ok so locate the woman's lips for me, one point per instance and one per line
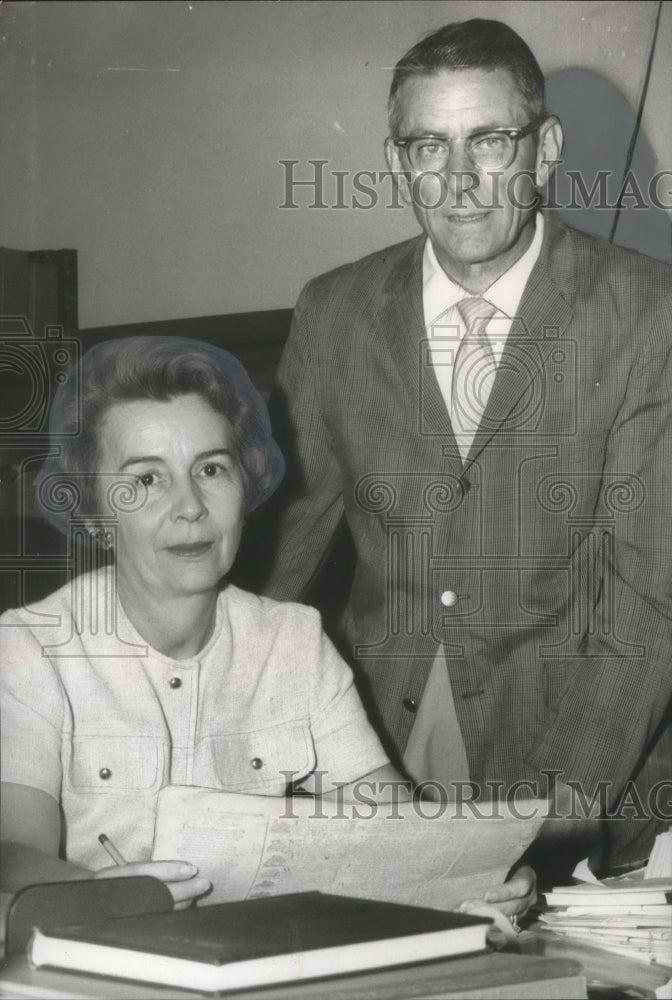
(189, 550)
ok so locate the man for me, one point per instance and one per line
(505, 468)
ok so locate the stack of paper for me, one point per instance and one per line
(630, 915)
(660, 862)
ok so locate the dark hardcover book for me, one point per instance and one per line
(270, 940)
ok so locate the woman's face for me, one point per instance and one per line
(182, 533)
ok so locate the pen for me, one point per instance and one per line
(116, 855)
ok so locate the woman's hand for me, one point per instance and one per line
(182, 878)
(513, 898)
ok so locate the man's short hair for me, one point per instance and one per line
(474, 44)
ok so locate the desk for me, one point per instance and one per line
(435, 979)
(493, 976)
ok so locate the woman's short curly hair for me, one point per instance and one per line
(155, 368)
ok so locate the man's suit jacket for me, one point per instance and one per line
(555, 536)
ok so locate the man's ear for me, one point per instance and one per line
(549, 150)
(400, 176)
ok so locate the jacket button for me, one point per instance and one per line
(105, 773)
(448, 598)
(256, 763)
(175, 682)
(411, 705)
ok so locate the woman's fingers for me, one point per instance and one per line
(166, 871)
(185, 892)
(181, 877)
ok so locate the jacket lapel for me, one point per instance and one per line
(401, 325)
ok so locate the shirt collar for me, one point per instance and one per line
(439, 292)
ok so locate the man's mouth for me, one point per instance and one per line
(465, 220)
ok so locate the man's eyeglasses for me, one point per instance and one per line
(488, 149)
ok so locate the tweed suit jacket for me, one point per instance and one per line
(555, 535)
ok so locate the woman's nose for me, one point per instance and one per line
(187, 502)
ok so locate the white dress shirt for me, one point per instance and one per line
(435, 752)
(440, 293)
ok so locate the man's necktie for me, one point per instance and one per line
(473, 372)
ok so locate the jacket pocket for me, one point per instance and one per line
(115, 764)
(264, 761)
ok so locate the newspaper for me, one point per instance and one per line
(421, 853)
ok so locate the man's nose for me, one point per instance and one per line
(461, 174)
(187, 501)
(462, 186)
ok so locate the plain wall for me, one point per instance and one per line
(148, 135)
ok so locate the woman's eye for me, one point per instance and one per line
(146, 479)
(211, 470)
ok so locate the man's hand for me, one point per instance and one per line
(513, 898)
(517, 895)
(182, 878)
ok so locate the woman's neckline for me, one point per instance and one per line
(135, 634)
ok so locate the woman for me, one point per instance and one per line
(151, 670)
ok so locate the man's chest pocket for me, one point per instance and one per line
(115, 764)
(263, 761)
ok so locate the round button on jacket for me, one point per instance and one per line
(411, 705)
(105, 773)
(448, 598)
(175, 682)
(256, 763)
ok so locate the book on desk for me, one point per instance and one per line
(258, 941)
(250, 930)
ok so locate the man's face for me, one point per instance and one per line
(477, 220)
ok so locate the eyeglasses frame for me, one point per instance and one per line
(515, 134)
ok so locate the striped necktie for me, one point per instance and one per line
(473, 372)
